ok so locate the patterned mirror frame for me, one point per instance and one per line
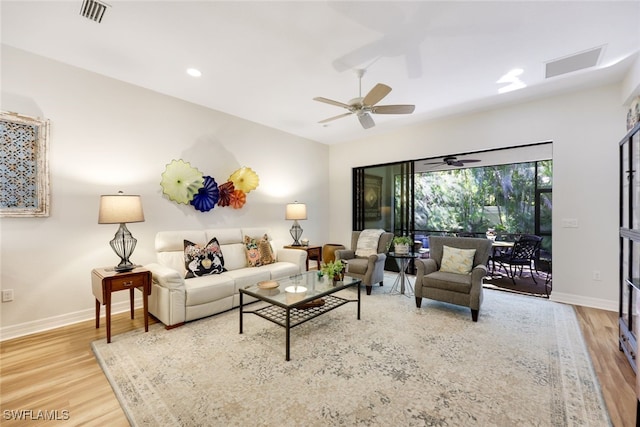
(24, 166)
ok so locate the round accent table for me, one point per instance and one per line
(402, 284)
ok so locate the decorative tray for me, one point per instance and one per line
(268, 284)
(315, 303)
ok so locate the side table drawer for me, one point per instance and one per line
(128, 282)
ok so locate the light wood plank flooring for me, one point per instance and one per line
(56, 370)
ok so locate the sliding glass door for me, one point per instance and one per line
(508, 190)
(383, 197)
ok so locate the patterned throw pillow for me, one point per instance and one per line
(200, 261)
(455, 260)
(259, 251)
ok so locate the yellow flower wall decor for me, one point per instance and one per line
(185, 184)
(244, 179)
(181, 181)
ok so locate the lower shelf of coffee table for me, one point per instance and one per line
(297, 316)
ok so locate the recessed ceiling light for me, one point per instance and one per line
(193, 72)
(512, 81)
(511, 76)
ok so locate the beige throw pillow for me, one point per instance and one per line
(368, 242)
(455, 260)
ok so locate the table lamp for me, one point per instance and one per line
(121, 209)
(296, 211)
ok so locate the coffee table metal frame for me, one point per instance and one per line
(290, 315)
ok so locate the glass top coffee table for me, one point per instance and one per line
(297, 299)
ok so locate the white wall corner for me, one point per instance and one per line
(630, 87)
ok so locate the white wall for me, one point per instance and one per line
(585, 128)
(108, 136)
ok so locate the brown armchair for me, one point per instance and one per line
(369, 269)
(452, 287)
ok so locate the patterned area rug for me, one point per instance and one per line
(523, 363)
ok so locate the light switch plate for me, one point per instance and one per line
(569, 222)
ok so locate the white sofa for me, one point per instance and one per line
(175, 300)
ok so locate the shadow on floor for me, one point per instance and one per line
(523, 284)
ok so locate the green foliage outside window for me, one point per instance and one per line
(475, 199)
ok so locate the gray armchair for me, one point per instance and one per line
(370, 269)
(454, 288)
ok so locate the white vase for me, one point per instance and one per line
(401, 248)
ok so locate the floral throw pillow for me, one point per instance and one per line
(455, 260)
(203, 260)
(259, 251)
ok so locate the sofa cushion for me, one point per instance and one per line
(202, 290)
(357, 265)
(460, 283)
(203, 260)
(456, 260)
(259, 251)
(235, 256)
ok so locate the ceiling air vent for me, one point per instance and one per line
(569, 64)
(93, 10)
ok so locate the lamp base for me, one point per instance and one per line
(296, 233)
(122, 268)
(123, 244)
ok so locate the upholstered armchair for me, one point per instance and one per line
(454, 271)
(365, 260)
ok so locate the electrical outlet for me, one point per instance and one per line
(596, 275)
(7, 295)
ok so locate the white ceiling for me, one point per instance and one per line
(264, 61)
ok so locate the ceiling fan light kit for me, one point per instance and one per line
(363, 106)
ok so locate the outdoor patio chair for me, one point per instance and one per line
(522, 254)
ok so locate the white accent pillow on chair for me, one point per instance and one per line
(368, 242)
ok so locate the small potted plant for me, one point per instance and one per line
(401, 244)
(334, 270)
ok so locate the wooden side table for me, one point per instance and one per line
(104, 281)
(313, 252)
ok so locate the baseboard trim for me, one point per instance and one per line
(602, 304)
(42, 325)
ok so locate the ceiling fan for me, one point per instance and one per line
(363, 106)
(453, 161)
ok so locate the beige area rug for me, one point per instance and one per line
(524, 363)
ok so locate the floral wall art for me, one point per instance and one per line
(185, 184)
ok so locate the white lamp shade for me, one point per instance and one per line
(120, 209)
(296, 211)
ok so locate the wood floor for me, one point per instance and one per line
(56, 371)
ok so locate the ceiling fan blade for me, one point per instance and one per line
(365, 120)
(376, 94)
(332, 102)
(456, 163)
(393, 109)
(335, 117)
